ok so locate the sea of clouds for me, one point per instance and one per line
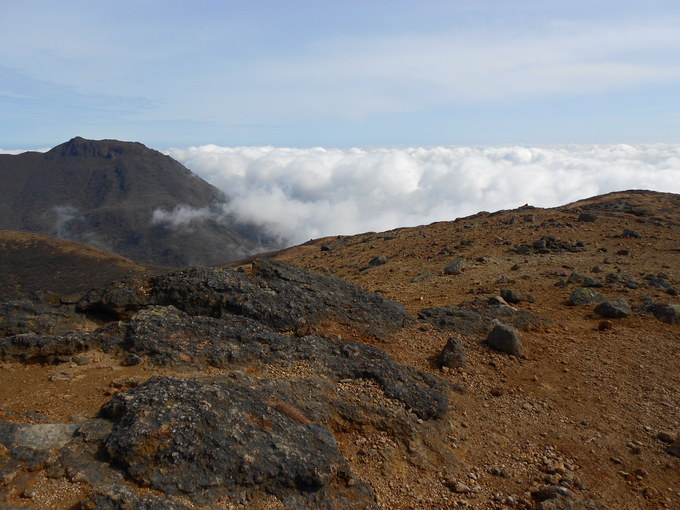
(304, 193)
(300, 194)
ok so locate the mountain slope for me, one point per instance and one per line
(273, 386)
(30, 263)
(124, 198)
(593, 401)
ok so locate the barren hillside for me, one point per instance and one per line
(273, 387)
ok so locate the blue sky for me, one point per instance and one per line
(339, 74)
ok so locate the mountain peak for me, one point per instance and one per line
(82, 147)
(124, 198)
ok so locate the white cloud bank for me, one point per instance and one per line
(308, 193)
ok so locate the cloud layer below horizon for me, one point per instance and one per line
(301, 194)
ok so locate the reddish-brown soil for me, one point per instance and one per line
(591, 399)
(585, 404)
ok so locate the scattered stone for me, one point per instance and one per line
(506, 339)
(587, 217)
(631, 233)
(422, 276)
(457, 486)
(614, 309)
(666, 437)
(377, 261)
(660, 281)
(497, 301)
(551, 491)
(453, 354)
(584, 280)
(624, 279)
(456, 267)
(674, 449)
(605, 325)
(82, 360)
(130, 360)
(585, 296)
(45, 436)
(667, 312)
(517, 296)
(548, 244)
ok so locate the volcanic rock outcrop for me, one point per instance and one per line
(256, 416)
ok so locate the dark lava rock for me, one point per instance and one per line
(120, 497)
(548, 244)
(517, 296)
(116, 301)
(660, 281)
(456, 267)
(667, 312)
(556, 497)
(171, 337)
(506, 339)
(234, 436)
(281, 296)
(43, 436)
(631, 233)
(623, 279)
(584, 280)
(453, 354)
(207, 439)
(34, 316)
(479, 321)
(614, 309)
(33, 348)
(666, 437)
(587, 217)
(585, 296)
(674, 449)
(497, 301)
(377, 261)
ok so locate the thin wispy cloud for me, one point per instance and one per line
(307, 193)
(352, 73)
(379, 75)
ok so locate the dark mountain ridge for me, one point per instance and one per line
(125, 198)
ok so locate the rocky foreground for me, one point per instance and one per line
(521, 359)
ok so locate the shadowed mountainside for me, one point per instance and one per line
(31, 263)
(124, 198)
